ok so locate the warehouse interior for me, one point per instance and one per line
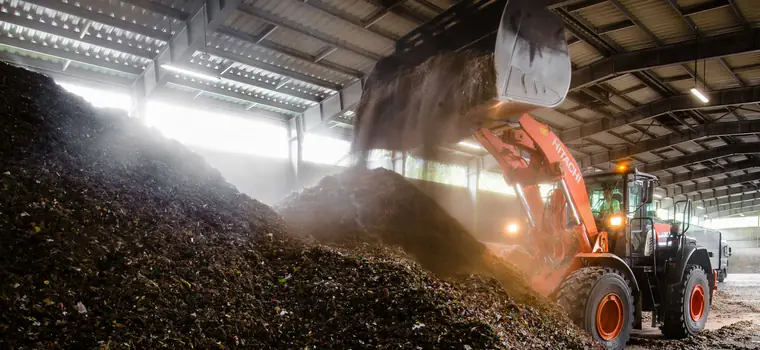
(266, 91)
(298, 66)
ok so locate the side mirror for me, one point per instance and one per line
(710, 254)
(649, 191)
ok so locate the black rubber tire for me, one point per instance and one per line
(677, 323)
(581, 292)
(722, 276)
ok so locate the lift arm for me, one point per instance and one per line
(530, 154)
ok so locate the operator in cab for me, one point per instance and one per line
(609, 205)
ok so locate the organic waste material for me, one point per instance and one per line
(382, 207)
(114, 237)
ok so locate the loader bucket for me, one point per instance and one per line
(531, 58)
(441, 99)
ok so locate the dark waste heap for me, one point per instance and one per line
(114, 237)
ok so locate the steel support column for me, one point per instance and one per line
(295, 147)
(320, 115)
(398, 161)
(474, 168)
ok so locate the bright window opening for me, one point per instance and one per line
(217, 131)
(437, 172)
(494, 182)
(325, 150)
(100, 98)
(733, 222)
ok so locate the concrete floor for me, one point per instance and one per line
(738, 300)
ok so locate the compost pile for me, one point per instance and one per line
(112, 236)
(381, 207)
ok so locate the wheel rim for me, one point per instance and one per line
(609, 317)
(697, 303)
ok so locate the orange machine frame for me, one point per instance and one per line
(530, 154)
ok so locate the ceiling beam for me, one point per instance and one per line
(274, 69)
(55, 69)
(397, 8)
(705, 7)
(684, 102)
(678, 53)
(701, 156)
(726, 192)
(745, 127)
(573, 5)
(102, 18)
(215, 89)
(696, 190)
(705, 173)
(70, 55)
(207, 18)
(298, 55)
(724, 213)
(310, 32)
(733, 199)
(732, 207)
(614, 27)
(37, 25)
(159, 8)
(358, 23)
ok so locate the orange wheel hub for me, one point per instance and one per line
(609, 316)
(697, 303)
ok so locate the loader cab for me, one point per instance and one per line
(632, 193)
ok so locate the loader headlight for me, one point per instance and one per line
(511, 230)
(617, 221)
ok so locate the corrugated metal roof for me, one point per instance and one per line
(669, 71)
(660, 18)
(322, 22)
(350, 59)
(632, 39)
(747, 59)
(244, 23)
(364, 11)
(421, 9)
(76, 24)
(623, 82)
(751, 77)
(554, 118)
(643, 96)
(623, 103)
(715, 22)
(582, 54)
(602, 14)
(111, 58)
(749, 10)
(267, 56)
(266, 77)
(588, 114)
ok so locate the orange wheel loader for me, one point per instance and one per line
(477, 69)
